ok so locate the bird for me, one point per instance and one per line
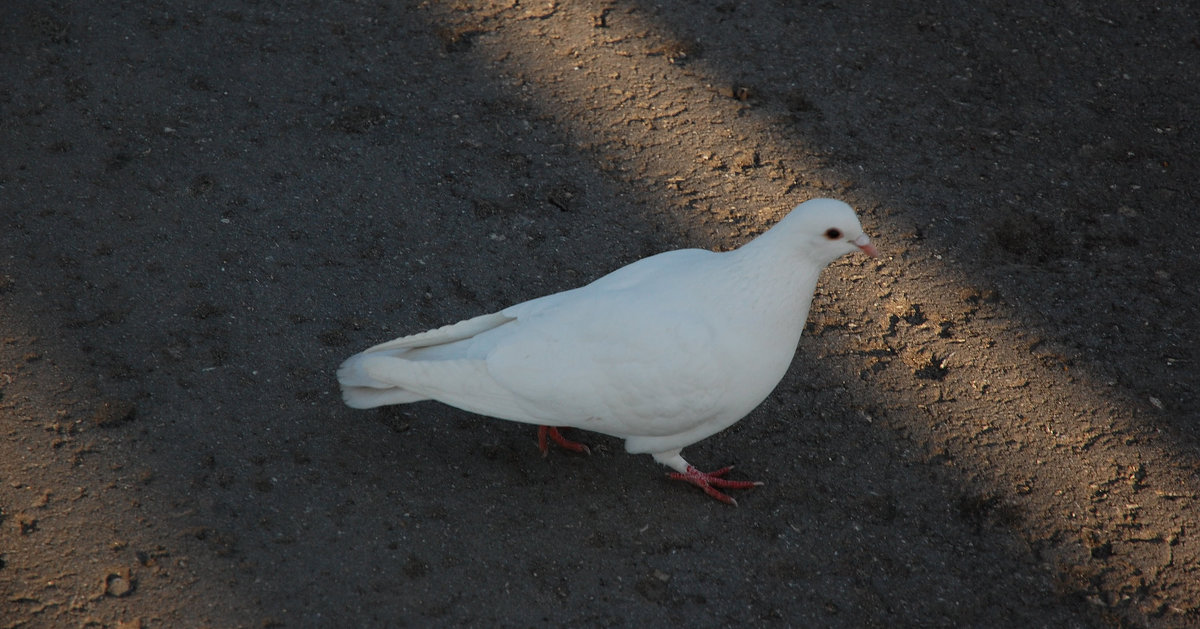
(664, 352)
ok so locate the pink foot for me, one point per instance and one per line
(563, 442)
(709, 481)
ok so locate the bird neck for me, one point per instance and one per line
(777, 283)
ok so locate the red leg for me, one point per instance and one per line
(709, 481)
(563, 442)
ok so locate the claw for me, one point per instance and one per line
(564, 443)
(709, 481)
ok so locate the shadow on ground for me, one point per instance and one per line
(206, 208)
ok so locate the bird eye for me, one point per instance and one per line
(833, 233)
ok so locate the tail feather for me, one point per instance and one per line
(444, 364)
(366, 397)
(360, 390)
(375, 379)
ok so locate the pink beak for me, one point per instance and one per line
(864, 243)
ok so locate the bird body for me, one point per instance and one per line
(663, 352)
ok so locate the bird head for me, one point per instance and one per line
(825, 230)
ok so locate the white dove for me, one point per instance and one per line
(661, 353)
